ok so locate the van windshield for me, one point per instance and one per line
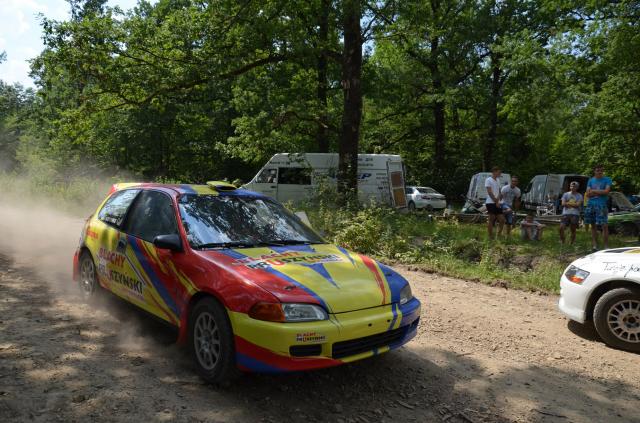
(215, 221)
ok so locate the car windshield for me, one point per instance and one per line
(427, 190)
(213, 221)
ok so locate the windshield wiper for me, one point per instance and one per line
(230, 244)
(291, 242)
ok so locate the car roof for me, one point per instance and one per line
(210, 188)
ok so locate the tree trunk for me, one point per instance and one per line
(322, 132)
(352, 114)
(496, 75)
(438, 110)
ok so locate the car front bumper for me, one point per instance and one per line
(267, 346)
(573, 300)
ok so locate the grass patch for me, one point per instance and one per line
(451, 248)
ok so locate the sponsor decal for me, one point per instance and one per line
(132, 284)
(112, 257)
(92, 234)
(614, 267)
(310, 337)
(289, 257)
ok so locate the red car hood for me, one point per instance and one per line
(324, 274)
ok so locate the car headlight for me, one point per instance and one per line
(575, 274)
(288, 312)
(405, 294)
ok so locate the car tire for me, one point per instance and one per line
(411, 206)
(628, 229)
(429, 207)
(211, 342)
(88, 277)
(616, 317)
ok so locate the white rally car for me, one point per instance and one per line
(604, 287)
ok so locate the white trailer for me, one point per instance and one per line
(296, 177)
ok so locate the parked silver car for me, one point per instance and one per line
(424, 198)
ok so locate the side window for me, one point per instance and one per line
(295, 176)
(267, 176)
(408, 191)
(115, 208)
(151, 215)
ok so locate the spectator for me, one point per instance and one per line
(510, 195)
(493, 201)
(596, 213)
(530, 229)
(571, 202)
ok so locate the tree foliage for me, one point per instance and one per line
(194, 90)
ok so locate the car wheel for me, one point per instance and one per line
(211, 342)
(412, 206)
(88, 281)
(617, 318)
(429, 207)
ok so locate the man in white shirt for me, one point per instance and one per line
(510, 195)
(492, 184)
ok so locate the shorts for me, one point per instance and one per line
(493, 209)
(508, 215)
(570, 219)
(596, 214)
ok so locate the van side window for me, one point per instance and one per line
(295, 176)
(116, 207)
(267, 176)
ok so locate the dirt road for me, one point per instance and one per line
(482, 354)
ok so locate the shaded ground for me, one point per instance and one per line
(482, 354)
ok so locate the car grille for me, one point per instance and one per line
(305, 350)
(368, 343)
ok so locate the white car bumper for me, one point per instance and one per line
(573, 300)
(436, 204)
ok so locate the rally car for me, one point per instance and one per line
(248, 285)
(604, 287)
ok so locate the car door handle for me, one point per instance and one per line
(122, 245)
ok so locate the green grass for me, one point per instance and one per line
(454, 249)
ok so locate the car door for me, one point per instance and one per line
(152, 214)
(106, 245)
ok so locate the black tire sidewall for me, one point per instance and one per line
(412, 206)
(96, 285)
(225, 370)
(600, 317)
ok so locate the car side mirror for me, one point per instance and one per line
(169, 242)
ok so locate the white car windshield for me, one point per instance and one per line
(220, 221)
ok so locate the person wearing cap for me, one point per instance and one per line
(571, 202)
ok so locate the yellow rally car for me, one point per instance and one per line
(249, 286)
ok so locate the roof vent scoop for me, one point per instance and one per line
(221, 186)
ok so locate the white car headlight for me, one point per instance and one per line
(405, 294)
(303, 313)
(575, 274)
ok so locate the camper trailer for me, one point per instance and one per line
(544, 191)
(296, 177)
(477, 192)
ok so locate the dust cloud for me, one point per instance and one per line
(37, 236)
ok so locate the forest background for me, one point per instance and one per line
(185, 90)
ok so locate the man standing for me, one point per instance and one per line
(597, 214)
(571, 202)
(493, 201)
(510, 195)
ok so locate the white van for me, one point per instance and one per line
(546, 190)
(296, 176)
(477, 191)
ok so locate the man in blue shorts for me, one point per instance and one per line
(597, 213)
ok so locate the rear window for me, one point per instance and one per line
(115, 209)
(427, 190)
